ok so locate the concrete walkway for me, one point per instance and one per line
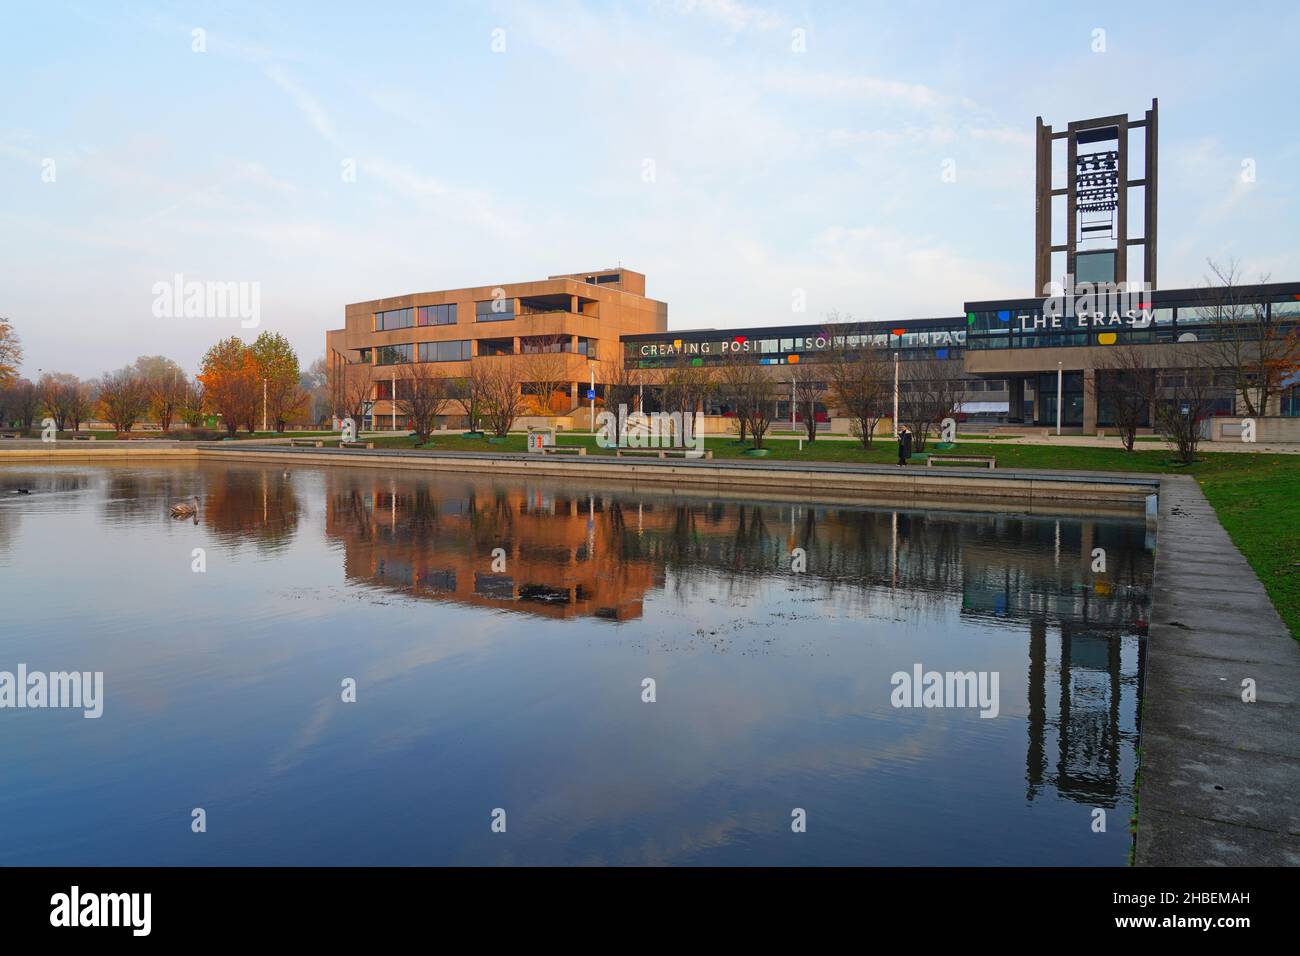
(1220, 779)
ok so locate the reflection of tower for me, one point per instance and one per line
(1089, 734)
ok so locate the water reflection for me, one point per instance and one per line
(499, 630)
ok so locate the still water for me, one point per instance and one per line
(519, 687)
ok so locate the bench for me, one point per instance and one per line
(306, 443)
(988, 460)
(661, 453)
(356, 444)
(83, 438)
(563, 450)
(9, 435)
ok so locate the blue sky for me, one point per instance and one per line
(774, 169)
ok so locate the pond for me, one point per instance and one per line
(351, 666)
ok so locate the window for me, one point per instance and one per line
(395, 354)
(496, 347)
(587, 347)
(394, 319)
(533, 344)
(454, 351)
(438, 314)
(364, 357)
(494, 310)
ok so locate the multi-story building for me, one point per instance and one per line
(579, 316)
(1046, 360)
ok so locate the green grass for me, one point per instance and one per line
(1257, 496)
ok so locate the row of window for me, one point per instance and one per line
(458, 350)
(492, 310)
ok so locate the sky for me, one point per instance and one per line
(872, 160)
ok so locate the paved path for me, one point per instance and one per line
(1220, 778)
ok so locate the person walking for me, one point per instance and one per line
(904, 445)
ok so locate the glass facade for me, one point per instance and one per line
(935, 342)
(437, 314)
(494, 310)
(457, 350)
(394, 319)
(394, 354)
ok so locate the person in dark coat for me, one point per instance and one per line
(904, 445)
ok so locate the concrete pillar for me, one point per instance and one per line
(1090, 401)
(1016, 399)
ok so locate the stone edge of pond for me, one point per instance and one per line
(1218, 776)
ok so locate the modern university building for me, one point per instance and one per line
(1097, 231)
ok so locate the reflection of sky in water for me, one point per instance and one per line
(524, 692)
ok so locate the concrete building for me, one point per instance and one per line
(580, 317)
(1041, 361)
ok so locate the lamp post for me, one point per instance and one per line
(592, 397)
(263, 404)
(895, 394)
(394, 401)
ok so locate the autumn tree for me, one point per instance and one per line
(11, 353)
(192, 405)
(231, 383)
(58, 391)
(123, 398)
(82, 402)
(354, 390)
(277, 369)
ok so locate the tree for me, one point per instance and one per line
(425, 394)
(165, 382)
(191, 408)
(501, 400)
(231, 383)
(1184, 398)
(1261, 352)
(545, 369)
(357, 383)
(732, 378)
(82, 402)
(314, 380)
(11, 353)
(1125, 380)
(123, 398)
(58, 391)
(860, 375)
(809, 389)
(934, 390)
(687, 384)
(277, 367)
(24, 403)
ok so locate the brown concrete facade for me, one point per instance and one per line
(588, 312)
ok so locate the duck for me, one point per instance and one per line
(22, 491)
(186, 510)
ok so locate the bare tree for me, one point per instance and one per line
(687, 384)
(1185, 397)
(1126, 379)
(934, 390)
(425, 395)
(809, 389)
(81, 403)
(1260, 352)
(860, 375)
(748, 387)
(24, 402)
(192, 406)
(357, 385)
(58, 392)
(544, 368)
(123, 398)
(501, 400)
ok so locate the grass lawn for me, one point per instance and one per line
(1257, 496)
